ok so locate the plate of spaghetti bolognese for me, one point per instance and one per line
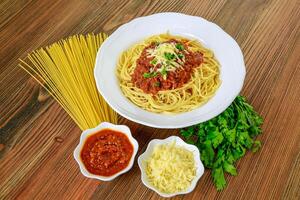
(169, 70)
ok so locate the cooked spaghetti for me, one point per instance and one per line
(168, 74)
(65, 70)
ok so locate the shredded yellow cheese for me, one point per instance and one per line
(159, 54)
(170, 168)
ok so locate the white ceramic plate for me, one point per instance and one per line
(179, 142)
(225, 48)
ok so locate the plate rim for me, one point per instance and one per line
(213, 113)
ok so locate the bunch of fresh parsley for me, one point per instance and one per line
(224, 139)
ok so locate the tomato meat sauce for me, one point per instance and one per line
(173, 80)
(106, 152)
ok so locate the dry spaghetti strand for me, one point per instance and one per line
(66, 70)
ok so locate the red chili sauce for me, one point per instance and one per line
(175, 79)
(106, 152)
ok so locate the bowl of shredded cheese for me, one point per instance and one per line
(170, 166)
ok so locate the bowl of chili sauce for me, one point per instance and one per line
(106, 151)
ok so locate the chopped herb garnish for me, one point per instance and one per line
(157, 84)
(179, 46)
(163, 71)
(169, 56)
(180, 56)
(154, 61)
(150, 74)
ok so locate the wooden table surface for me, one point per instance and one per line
(37, 137)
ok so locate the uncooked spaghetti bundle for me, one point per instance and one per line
(66, 70)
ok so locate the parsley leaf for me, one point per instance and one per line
(154, 61)
(169, 56)
(149, 74)
(256, 146)
(179, 46)
(188, 132)
(230, 168)
(207, 154)
(180, 56)
(219, 178)
(215, 137)
(157, 84)
(163, 71)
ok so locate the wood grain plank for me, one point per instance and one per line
(25, 152)
(292, 190)
(37, 137)
(9, 9)
(24, 28)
